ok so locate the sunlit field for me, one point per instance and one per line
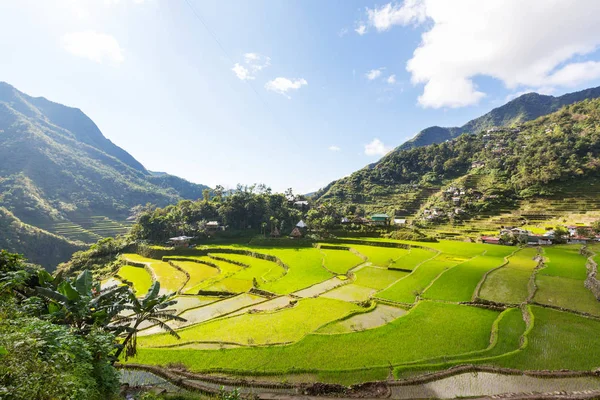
(286, 311)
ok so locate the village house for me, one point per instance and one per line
(477, 164)
(490, 240)
(380, 219)
(212, 225)
(180, 241)
(399, 221)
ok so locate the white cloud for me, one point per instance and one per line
(373, 74)
(254, 63)
(391, 79)
(343, 32)
(95, 46)
(383, 18)
(361, 30)
(376, 148)
(334, 148)
(533, 44)
(242, 72)
(283, 85)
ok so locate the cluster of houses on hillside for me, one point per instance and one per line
(375, 220)
(549, 237)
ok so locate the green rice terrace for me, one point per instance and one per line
(357, 310)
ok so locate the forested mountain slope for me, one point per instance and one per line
(46, 248)
(524, 108)
(544, 157)
(59, 172)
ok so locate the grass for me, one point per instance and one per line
(429, 330)
(407, 288)
(331, 339)
(459, 283)
(305, 270)
(286, 325)
(170, 278)
(138, 276)
(559, 340)
(510, 329)
(414, 257)
(377, 278)
(198, 273)
(340, 261)
(350, 292)
(564, 261)
(379, 316)
(566, 293)
(380, 256)
(509, 284)
(261, 270)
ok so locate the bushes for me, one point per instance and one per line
(46, 361)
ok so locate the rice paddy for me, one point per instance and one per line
(358, 311)
(510, 284)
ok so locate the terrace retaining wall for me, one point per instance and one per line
(592, 282)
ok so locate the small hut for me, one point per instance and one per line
(180, 241)
(296, 233)
(301, 224)
(275, 233)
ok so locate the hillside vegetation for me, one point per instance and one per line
(58, 172)
(524, 108)
(554, 156)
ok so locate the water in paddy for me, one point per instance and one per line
(485, 383)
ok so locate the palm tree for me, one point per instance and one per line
(150, 308)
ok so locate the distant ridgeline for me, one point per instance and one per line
(556, 156)
(59, 173)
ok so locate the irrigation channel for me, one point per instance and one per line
(458, 382)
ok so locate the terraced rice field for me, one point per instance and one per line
(330, 315)
(340, 261)
(88, 229)
(510, 284)
(139, 278)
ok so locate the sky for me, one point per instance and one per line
(289, 93)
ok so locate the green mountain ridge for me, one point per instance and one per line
(545, 169)
(524, 108)
(58, 172)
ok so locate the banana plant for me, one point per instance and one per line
(151, 308)
(81, 303)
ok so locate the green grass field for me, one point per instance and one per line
(340, 261)
(198, 273)
(305, 270)
(427, 331)
(559, 340)
(566, 293)
(564, 261)
(509, 284)
(284, 326)
(324, 325)
(407, 288)
(138, 276)
(380, 256)
(377, 278)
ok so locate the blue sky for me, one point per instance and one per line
(301, 110)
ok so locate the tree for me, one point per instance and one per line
(80, 303)
(596, 226)
(206, 194)
(560, 233)
(151, 308)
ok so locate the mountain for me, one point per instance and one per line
(524, 108)
(45, 248)
(59, 173)
(545, 169)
